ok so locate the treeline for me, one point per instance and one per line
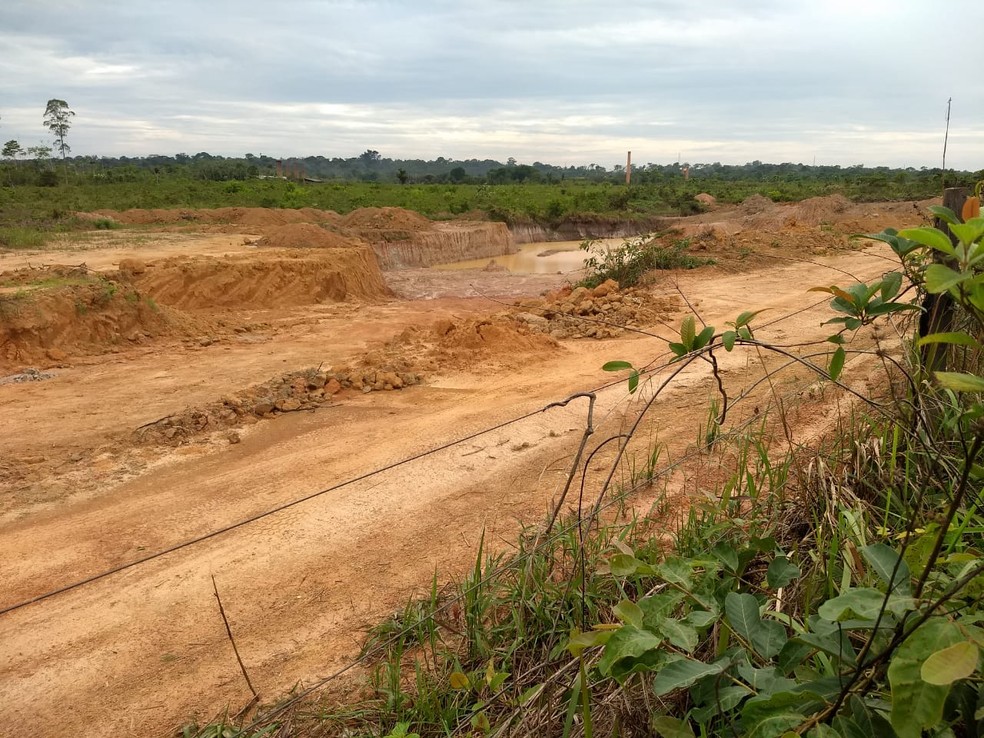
(372, 167)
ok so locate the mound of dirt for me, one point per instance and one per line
(817, 210)
(49, 314)
(255, 217)
(264, 280)
(306, 236)
(603, 312)
(708, 201)
(755, 204)
(386, 219)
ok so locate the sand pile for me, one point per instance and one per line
(51, 313)
(602, 312)
(755, 204)
(306, 236)
(264, 280)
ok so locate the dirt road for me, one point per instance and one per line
(143, 651)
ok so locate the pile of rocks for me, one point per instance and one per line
(602, 312)
(307, 389)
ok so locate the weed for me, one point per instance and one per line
(627, 263)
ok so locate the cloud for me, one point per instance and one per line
(550, 80)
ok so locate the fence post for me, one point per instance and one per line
(937, 314)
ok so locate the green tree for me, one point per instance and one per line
(58, 119)
(11, 150)
(401, 175)
(40, 154)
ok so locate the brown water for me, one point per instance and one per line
(538, 258)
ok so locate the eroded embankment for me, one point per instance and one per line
(264, 280)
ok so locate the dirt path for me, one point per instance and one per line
(144, 650)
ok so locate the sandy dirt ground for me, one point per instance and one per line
(144, 650)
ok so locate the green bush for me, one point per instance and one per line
(627, 263)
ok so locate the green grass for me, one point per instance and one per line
(22, 237)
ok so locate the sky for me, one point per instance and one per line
(565, 82)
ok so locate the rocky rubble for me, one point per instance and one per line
(602, 312)
(307, 389)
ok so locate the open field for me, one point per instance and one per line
(192, 375)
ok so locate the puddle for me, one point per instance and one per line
(537, 258)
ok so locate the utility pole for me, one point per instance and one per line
(628, 169)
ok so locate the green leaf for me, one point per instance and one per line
(678, 348)
(836, 644)
(781, 572)
(676, 571)
(773, 726)
(940, 278)
(885, 560)
(683, 673)
(949, 664)
(671, 727)
(628, 642)
(968, 232)
(861, 602)
(717, 699)
(836, 363)
(579, 641)
(624, 565)
(746, 317)
(959, 339)
(742, 612)
(932, 237)
(726, 554)
(658, 607)
(960, 381)
(744, 333)
(792, 655)
(915, 703)
(680, 634)
(633, 381)
(704, 337)
(890, 285)
(944, 214)
(616, 366)
(822, 731)
(688, 332)
(700, 618)
(628, 612)
(728, 339)
(480, 721)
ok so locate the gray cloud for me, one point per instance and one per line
(567, 81)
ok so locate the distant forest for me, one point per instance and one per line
(372, 167)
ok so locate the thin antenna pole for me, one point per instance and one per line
(946, 136)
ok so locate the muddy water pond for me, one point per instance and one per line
(537, 258)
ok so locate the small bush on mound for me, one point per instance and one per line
(627, 263)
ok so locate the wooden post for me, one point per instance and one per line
(937, 314)
(628, 169)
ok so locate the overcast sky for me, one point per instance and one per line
(559, 81)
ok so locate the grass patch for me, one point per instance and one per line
(22, 237)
